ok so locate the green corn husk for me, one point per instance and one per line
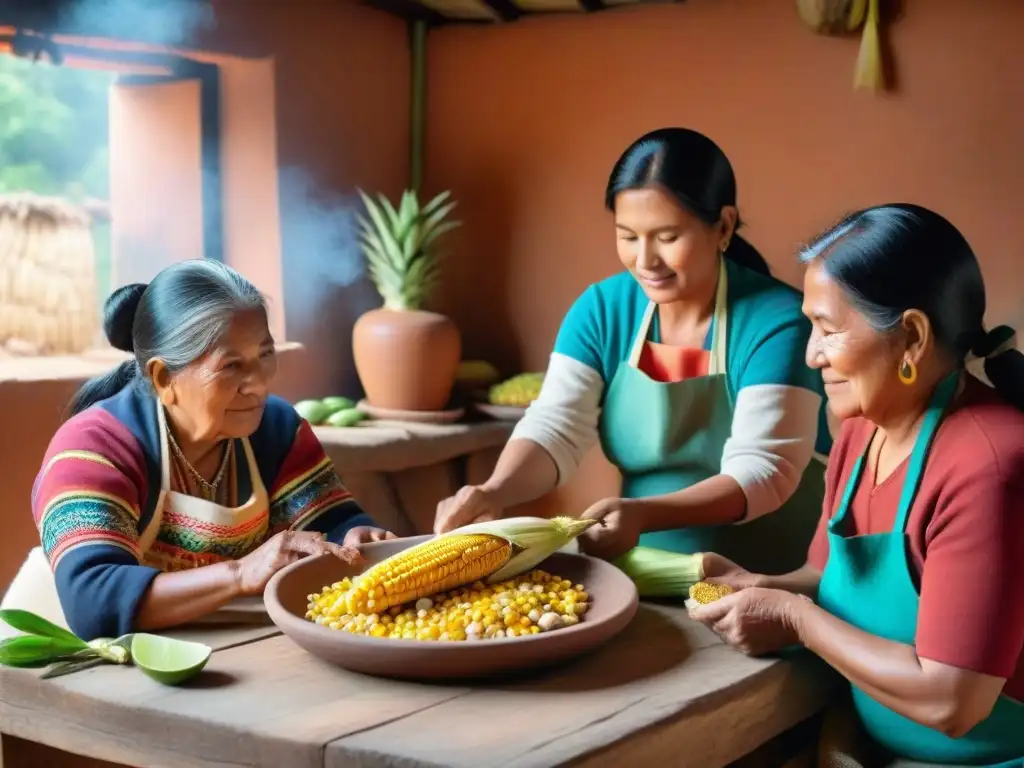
(45, 644)
(31, 624)
(868, 73)
(660, 573)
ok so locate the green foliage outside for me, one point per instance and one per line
(54, 136)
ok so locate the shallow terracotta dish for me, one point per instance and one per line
(613, 604)
(448, 416)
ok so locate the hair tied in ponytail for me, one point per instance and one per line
(995, 342)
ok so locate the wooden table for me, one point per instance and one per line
(666, 689)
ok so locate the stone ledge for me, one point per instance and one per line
(387, 446)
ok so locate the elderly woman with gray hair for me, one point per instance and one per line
(179, 483)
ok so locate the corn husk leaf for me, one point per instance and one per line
(868, 73)
(533, 539)
(660, 573)
(33, 624)
(35, 650)
(857, 13)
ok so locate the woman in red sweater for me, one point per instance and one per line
(914, 584)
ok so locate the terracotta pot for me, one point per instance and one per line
(406, 360)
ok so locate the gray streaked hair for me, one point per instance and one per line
(178, 318)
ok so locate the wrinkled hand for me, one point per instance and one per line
(364, 534)
(471, 504)
(618, 532)
(722, 570)
(255, 569)
(754, 621)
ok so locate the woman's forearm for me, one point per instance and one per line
(182, 596)
(803, 581)
(525, 471)
(719, 500)
(889, 672)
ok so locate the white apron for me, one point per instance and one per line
(35, 590)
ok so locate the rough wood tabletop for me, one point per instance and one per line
(665, 688)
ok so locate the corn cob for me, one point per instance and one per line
(489, 551)
(521, 390)
(705, 592)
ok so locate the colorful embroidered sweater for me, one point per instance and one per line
(98, 488)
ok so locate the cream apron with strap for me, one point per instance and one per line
(34, 588)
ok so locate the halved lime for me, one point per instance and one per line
(166, 660)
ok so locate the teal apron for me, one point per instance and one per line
(867, 583)
(666, 437)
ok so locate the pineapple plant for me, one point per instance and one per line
(407, 357)
(398, 246)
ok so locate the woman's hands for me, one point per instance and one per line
(364, 534)
(722, 570)
(471, 504)
(618, 532)
(253, 571)
(753, 620)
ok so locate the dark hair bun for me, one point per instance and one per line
(119, 315)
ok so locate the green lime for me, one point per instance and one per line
(313, 411)
(338, 403)
(346, 418)
(168, 661)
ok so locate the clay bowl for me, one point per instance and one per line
(613, 605)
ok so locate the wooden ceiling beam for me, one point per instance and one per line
(592, 5)
(410, 9)
(506, 10)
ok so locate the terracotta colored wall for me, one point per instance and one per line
(526, 120)
(342, 93)
(342, 88)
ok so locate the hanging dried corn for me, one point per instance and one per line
(869, 73)
(841, 17)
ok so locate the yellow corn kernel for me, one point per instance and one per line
(705, 592)
(439, 565)
(468, 612)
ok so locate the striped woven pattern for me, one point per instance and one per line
(307, 486)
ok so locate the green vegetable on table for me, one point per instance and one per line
(338, 403)
(44, 644)
(332, 411)
(346, 418)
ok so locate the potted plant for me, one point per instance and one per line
(407, 357)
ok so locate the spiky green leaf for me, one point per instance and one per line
(436, 203)
(398, 244)
(389, 210)
(439, 230)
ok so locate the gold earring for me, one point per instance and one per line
(908, 373)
